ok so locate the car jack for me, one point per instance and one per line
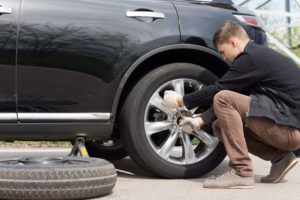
(79, 147)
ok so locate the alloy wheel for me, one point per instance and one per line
(163, 132)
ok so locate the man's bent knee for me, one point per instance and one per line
(293, 146)
(293, 141)
(222, 97)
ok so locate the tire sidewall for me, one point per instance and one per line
(36, 178)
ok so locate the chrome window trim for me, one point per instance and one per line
(5, 10)
(64, 116)
(8, 116)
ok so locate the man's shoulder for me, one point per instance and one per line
(262, 54)
(241, 59)
(252, 47)
(258, 50)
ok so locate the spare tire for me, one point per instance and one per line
(55, 178)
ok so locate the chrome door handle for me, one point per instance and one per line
(5, 10)
(150, 14)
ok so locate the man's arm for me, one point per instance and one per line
(241, 76)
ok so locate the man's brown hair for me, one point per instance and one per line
(227, 30)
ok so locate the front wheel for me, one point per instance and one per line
(150, 130)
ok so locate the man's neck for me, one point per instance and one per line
(243, 44)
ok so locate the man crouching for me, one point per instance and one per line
(255, 108)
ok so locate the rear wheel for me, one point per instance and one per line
(150, 130)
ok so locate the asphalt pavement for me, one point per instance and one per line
(133, 183)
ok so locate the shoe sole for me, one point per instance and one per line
(241, 187)
(233, 187)
(282, 175)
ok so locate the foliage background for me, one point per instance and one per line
(276, 24)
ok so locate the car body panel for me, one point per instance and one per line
(8, 38)
(201, 31)
(74, 59)
(72, 54)
(55, 131)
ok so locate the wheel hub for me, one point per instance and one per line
(42, 160)
(179, 116)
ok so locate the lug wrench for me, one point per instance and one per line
(186, 123)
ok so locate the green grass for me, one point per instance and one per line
(18, 143)
(195, 141)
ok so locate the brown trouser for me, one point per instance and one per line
(262, 137)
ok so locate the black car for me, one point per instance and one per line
(98, 69)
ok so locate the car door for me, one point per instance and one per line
(73, 53)
(8, 37)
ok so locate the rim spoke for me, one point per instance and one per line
(193, 110)
(206, 138)
(200, 87)
(159, 103)
(188, 150)
(154, 127)
(179, 86)
(165, 150)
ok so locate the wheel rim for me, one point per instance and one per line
(166, 137)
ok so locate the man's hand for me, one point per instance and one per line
(190, 124)
(172, 99)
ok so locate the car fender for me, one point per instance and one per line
(148, 55)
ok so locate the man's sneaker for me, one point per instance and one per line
(230, 180)
(280, 169)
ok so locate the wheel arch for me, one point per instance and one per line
(188, 53)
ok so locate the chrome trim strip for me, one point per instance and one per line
(8, 117)
(64, 116)
(5, 10)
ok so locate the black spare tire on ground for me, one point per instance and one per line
(55, 178)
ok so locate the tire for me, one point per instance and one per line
(55, 178)
(147, 150)
(111, 150)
